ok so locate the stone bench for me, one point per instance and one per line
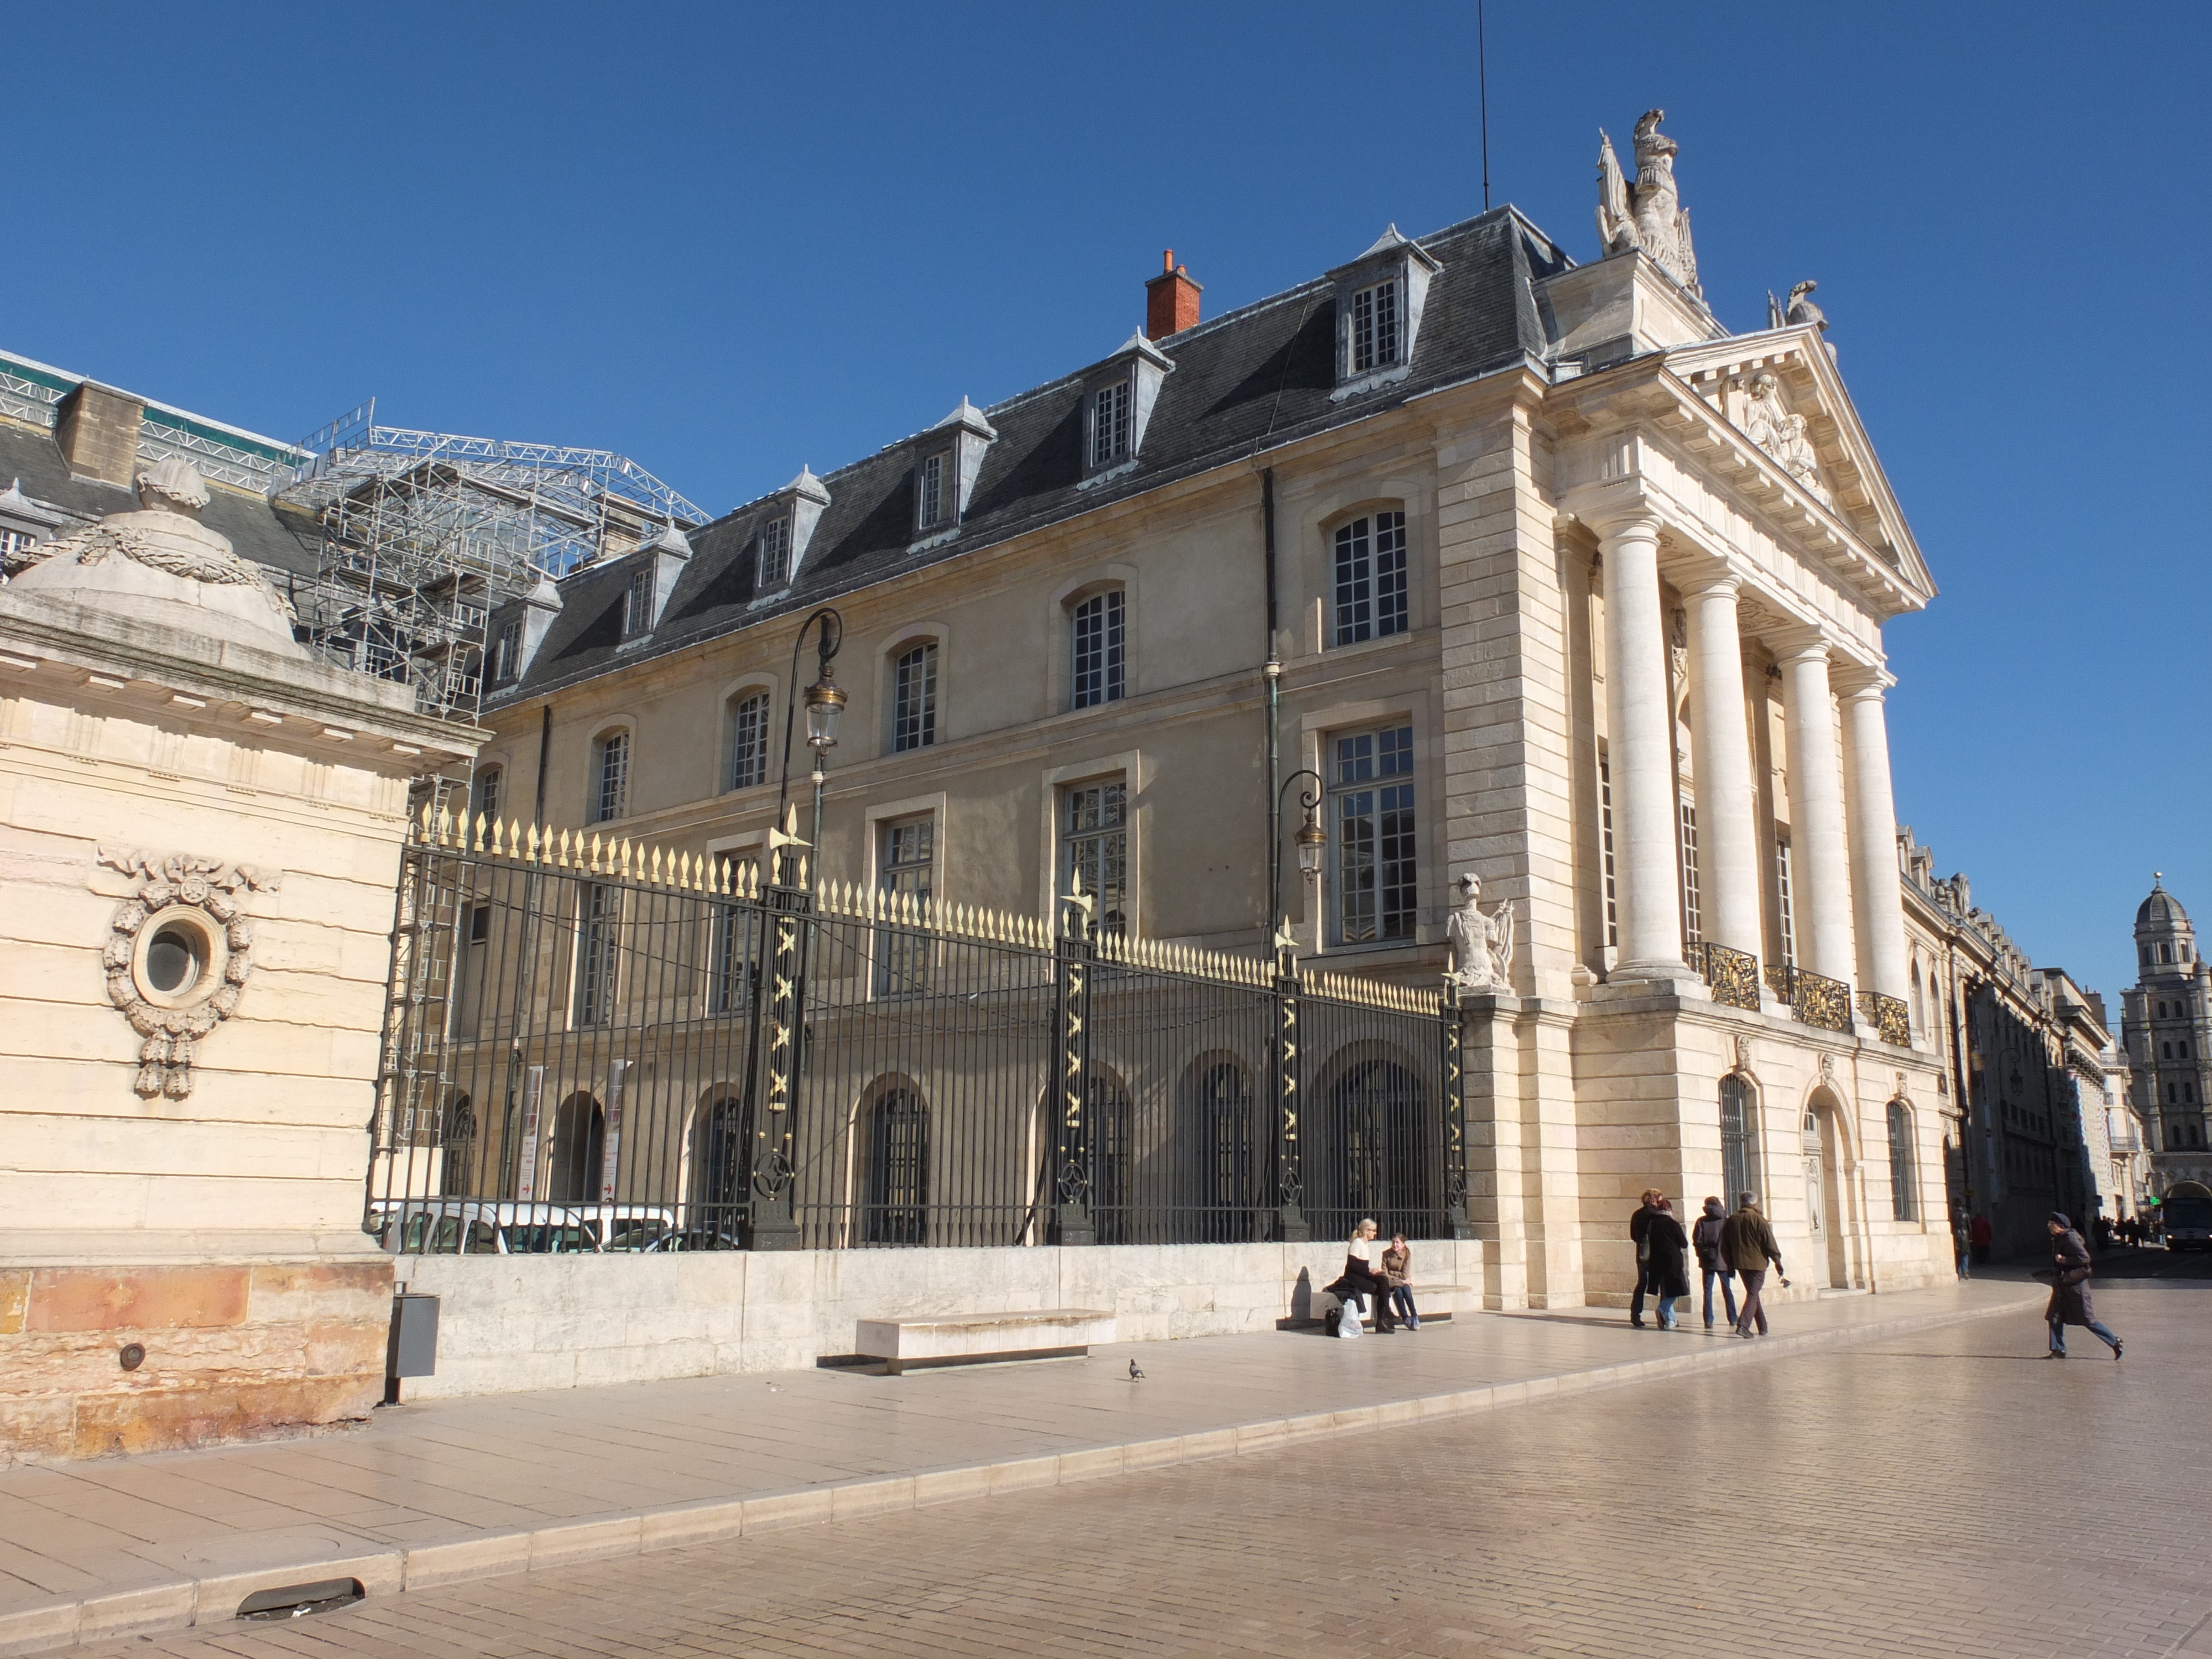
(1437, 1303)
(905, 1345)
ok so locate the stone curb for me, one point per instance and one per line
(150, 1608)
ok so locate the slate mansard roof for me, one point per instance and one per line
(1248, 379)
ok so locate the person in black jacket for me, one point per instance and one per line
(1637, 1226)
(1705, 1238)
(2069, 1291)
(1666, 1248)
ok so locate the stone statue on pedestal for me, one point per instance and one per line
(1481, 942)
(1648, 214)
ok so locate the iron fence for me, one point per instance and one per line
(595, 1046)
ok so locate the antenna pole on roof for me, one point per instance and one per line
(1482, 84)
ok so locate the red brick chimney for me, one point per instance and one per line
(1171, 299)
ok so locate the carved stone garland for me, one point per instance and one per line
(203, 893)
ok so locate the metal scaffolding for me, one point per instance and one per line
(425, 534)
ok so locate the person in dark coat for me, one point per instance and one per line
(2069, 1291)
(1748, 1242)
(1637, 1225)
(1705, 1238)
(1666, 1247)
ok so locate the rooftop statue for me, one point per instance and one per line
(1647, 215)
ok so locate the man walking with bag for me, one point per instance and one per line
(2069, 1291)
(1747, 1245)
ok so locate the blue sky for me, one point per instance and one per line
(726, 239)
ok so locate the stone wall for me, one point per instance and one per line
(507, 1324)
(224, 1351)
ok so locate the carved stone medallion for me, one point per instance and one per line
(178, 955)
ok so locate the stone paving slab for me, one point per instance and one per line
(455, 1490)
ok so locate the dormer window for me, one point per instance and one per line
(932, 510)
(775, 552)
(1109, 423)
(1374, 327)
(1380, 297)
(637, 601)
(507, 652)
(1118, 398)
(948, 459)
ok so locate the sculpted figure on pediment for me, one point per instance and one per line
(1648, 213)
(1770, 424)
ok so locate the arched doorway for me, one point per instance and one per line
(721, 1170)
(579, 1151)
(457, 1139)
(1375, 1158)
(1825, 1221)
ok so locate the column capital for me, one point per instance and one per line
(1617, 509)
(1857, 680)
(1708, 577)
(1801, 643)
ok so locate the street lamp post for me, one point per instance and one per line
(825, 705)
(1311, 839)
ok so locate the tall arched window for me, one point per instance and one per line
(721, 1171)
(748, 761)
(610, 776)
(1113, 1191)
(913, 698)
(489, 789)
(1219, 1128)
(1376, 1144)
(458, 1141)
(1100, 649)
(1903, 1167)
(1919, 1002)
(1735, 1141)
(894, 1204)
(579, 1150)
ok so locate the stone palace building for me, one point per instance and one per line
(2167, 1023)
(1512, 564)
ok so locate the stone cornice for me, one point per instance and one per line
(50, 653)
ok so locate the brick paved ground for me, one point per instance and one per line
(1952, 1493)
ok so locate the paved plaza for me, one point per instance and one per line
(1942, 1491)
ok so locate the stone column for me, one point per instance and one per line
(1819, 847)
(1640, 750)
(1881, 913)
(1720, 746)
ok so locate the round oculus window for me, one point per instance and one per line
(175, 960)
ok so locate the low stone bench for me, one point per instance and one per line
(905, 1345)
(1437, 1303)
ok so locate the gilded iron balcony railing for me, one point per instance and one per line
(1812, 998)
(1888, 1018)
(1733, 974)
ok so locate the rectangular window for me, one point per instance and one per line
(1693, 926)
(1094, 843)
(479, 924)
(488, 792)
(1374, 327)
(748, 741)
(932, 490)
(1371, 578)
(507, 652)
(1099, 647)
(914, 699)
(637, 599)
(1735, 1139)
(1371, 792)
(736, 937)
(597, 924)
(611, 798)
(905, 869)
(1109, 423)
(1605, 841)
(775, 553)
(1786, 908)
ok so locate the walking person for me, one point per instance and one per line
(1748, 1242)
(1637, 1226)
(1666, 1247)
(2069, 1291)
(1397, 1273)
(1706, 1239)
(1978, 1235)
(1962, 1247)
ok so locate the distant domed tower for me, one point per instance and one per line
(2167, 1027)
